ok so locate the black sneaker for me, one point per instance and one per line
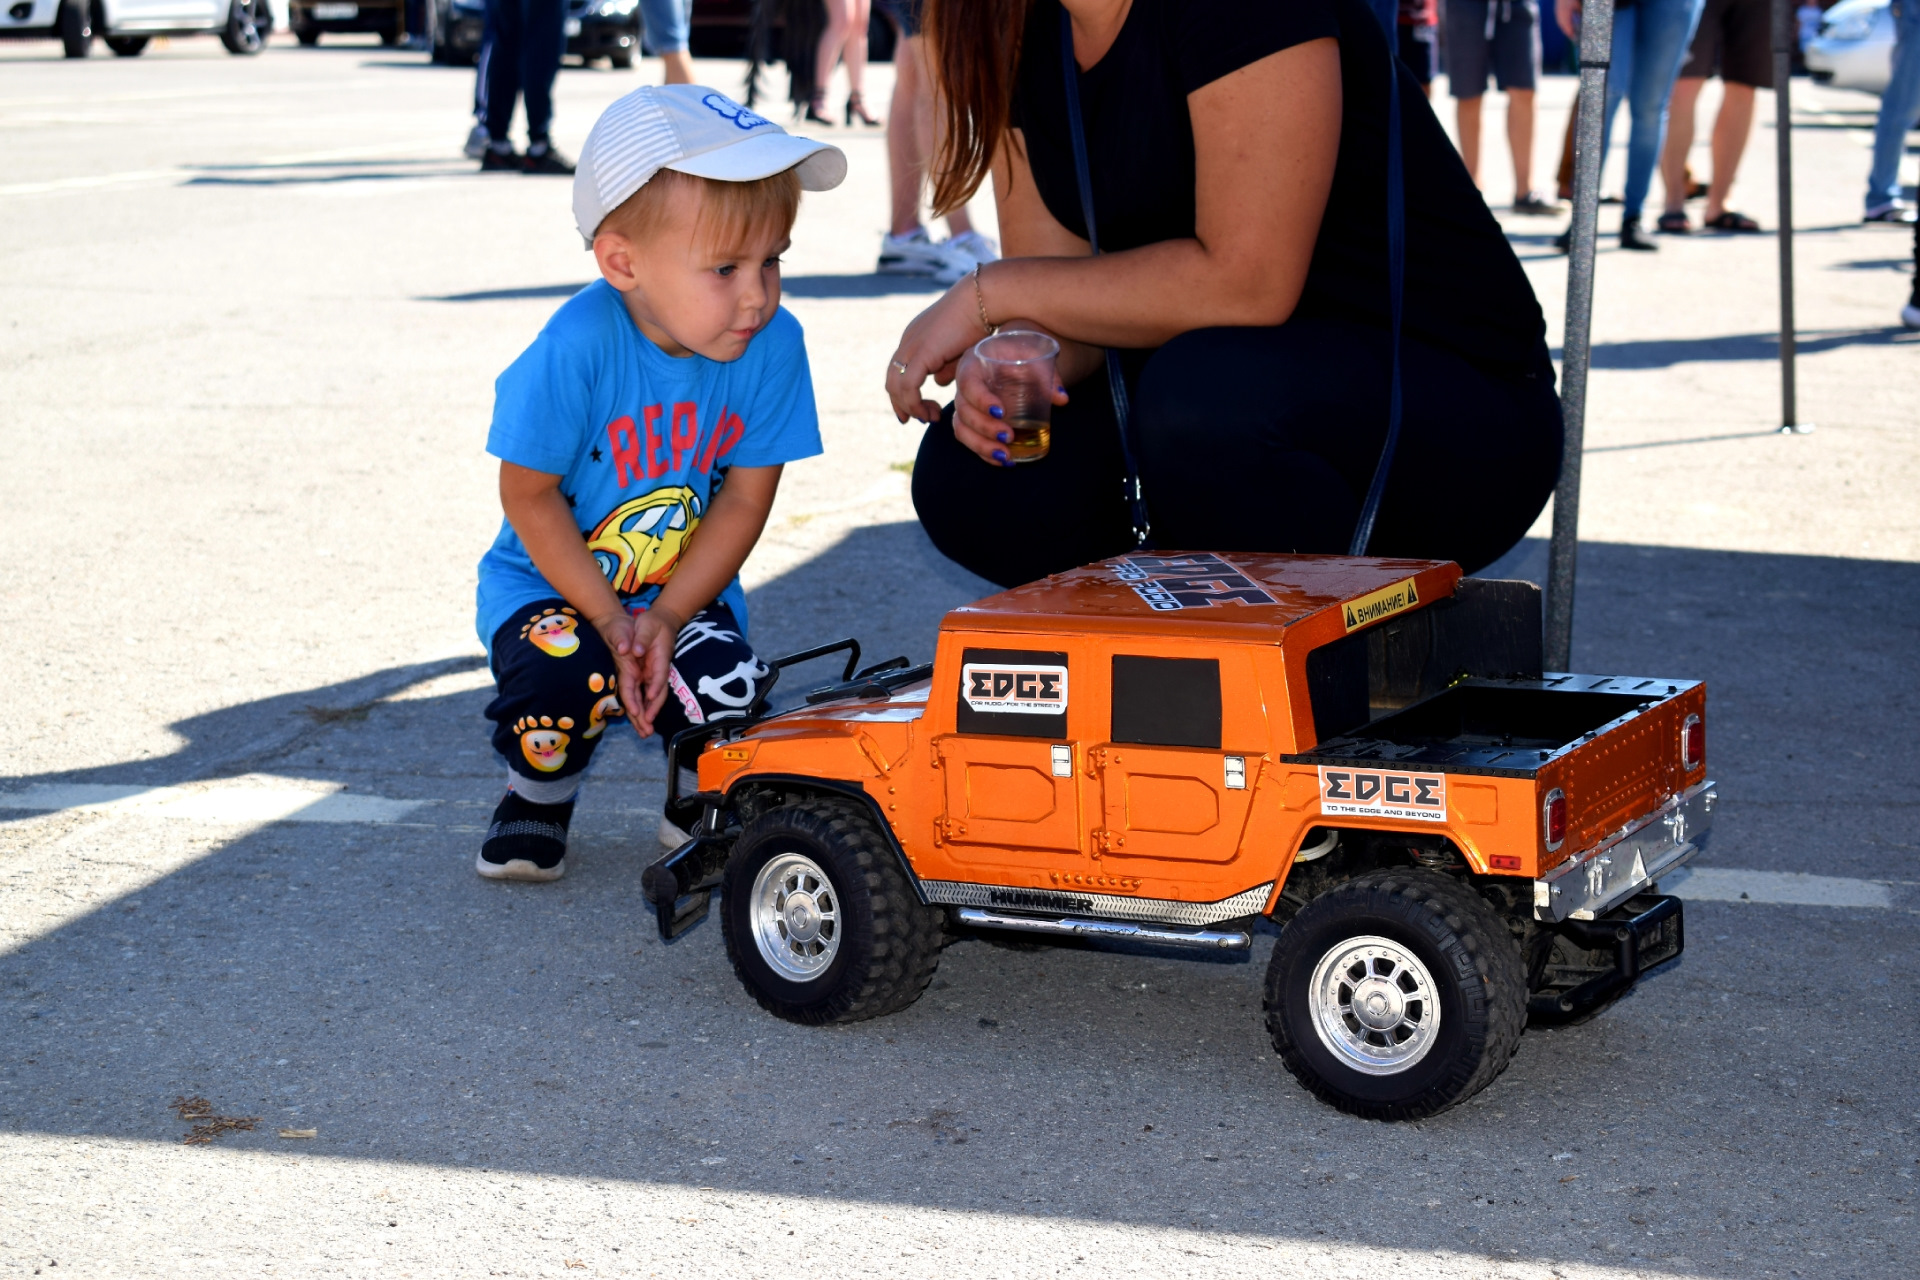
(527, 841)
(1630, 237)
(501, 162)
(543, 159)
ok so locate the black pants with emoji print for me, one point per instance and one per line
(557, 697)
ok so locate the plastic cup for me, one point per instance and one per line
(1019, 365)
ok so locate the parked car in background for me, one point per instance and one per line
(312, 19)
(128, 25)
(1854, 49)
(607, 29)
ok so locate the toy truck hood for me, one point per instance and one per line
(1215, 595)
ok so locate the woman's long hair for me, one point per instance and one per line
(974, 52)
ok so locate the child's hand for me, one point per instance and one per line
(642, 647)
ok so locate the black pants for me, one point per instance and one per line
(522, 62)
(1260, 440)
(557, 692)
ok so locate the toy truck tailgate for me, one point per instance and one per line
(1602, 779)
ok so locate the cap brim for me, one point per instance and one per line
(822, 167)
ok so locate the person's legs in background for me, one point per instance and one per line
(540, 49)
(1468, 55)
(1674, 175)
(1899, 106)
(1910, 314)
(666, 26)
(1515, 50)
(507, 19)
(845, 38)
(907, 248)
(476, 146)
(1661, 35)
(1420, 50)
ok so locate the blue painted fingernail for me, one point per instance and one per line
(1059, 391)
(996, 411)
(1000, 455)
(1003, 437)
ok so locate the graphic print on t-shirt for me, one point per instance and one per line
(641, 541)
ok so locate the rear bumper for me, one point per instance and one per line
(1586, 887)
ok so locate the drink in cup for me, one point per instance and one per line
(1020, 374)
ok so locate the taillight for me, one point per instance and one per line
(1553, 818)
(1693, 743)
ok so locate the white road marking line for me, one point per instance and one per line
(1787, 888)
(253, 799)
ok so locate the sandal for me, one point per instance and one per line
(1674, 224)
(1731, 221)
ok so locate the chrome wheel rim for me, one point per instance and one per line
(1374, 1005)
(796, 917)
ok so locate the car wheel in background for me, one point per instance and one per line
(127, 46)
(76, 28)
(248, 24)
(621, 60)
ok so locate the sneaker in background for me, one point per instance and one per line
(1534, 204)
(543, 159)
(476, 142)
(1893, 211)
(1910, 314)
(495, 160)
(980, 248)
(525, 841)
(915, 254)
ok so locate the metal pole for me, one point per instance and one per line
(1784, 40)
(1596, 52)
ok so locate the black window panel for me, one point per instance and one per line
(1167, 702)
(1013, 723)
(1337, 685)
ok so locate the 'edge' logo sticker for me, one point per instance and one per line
(1376, 605)
(1187, 582)
(1376, 793)
(1022, 690)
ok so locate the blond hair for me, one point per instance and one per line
(731, 213)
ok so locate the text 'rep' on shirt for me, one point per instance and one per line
(641, 441)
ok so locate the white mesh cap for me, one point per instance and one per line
(694, 130)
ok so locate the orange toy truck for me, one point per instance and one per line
(1160, 748)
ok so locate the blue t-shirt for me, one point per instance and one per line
(640, 440)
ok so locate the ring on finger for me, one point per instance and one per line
(899, 368)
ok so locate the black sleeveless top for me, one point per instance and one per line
(1465, 290)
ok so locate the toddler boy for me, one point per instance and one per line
(641, 439)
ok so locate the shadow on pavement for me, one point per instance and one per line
(364, 982)
(1660, 353)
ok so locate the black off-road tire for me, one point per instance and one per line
(1478, 976)
(888, 942)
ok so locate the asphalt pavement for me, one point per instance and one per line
(252, 312)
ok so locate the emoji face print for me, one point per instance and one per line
(607, 708)
(553, 632)
(543, 740)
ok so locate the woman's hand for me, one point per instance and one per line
(931, 347)
(1567, 14)
(978, 419)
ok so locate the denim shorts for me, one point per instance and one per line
(904, 14)
(665, 25)
(1498, 35)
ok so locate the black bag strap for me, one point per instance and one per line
(1116, 382)
(1396, 282)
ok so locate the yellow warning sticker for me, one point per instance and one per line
(1376, 605)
